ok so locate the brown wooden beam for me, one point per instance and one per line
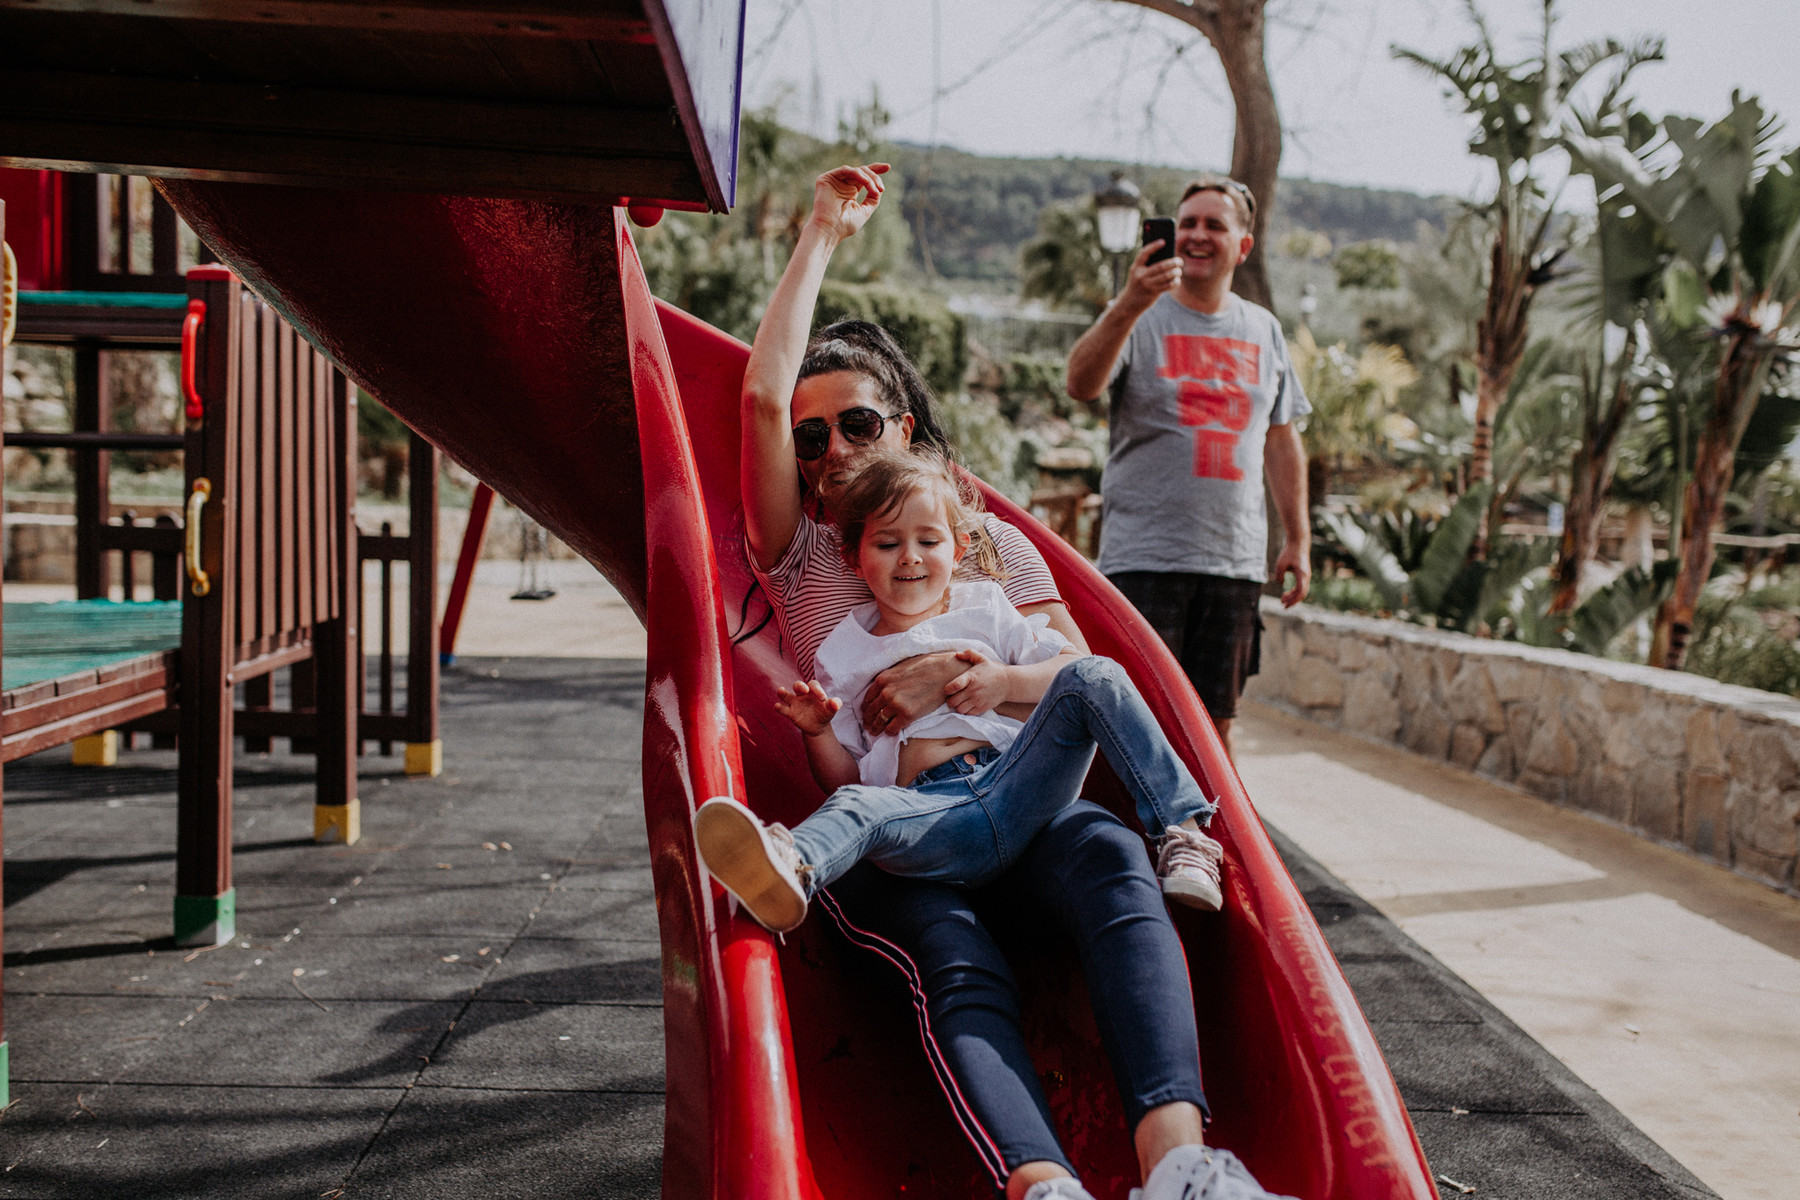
(572, 20)
(233, 132)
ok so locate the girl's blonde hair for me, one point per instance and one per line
(887, 477)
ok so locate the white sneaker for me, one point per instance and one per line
(1060, 1188)
(757, 863)
(1188, 866)
(1202, 1173)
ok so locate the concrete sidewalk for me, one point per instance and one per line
(1670, 986)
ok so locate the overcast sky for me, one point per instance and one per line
(1077, 77)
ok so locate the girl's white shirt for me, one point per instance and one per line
(979, 618)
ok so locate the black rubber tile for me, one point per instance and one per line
(387, 904)
(82, 1038)
(507, 1145)
(174, 1143)
(1354, 932)
(1533, 1156)
(1440, 1066)
(618, 913)
(575, 1047)
(358, 1044)
(105, 965)
(328, 968)
(1400, 988)
(578, 971)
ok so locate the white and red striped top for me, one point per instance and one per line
(812, 588)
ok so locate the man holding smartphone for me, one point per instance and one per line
(1204, 401)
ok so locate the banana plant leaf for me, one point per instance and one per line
(1371, 554)
(1448, 551)
(1605, 614)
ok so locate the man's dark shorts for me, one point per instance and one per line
(1210, 624)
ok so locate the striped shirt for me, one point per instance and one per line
(812, 587)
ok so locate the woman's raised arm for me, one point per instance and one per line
(843, 200)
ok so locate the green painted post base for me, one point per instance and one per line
(5, 1074)
(206, 920)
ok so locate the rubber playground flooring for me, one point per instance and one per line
(467, 1003)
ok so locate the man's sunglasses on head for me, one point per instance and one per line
(861, 426)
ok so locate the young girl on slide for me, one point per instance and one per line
(959, 795)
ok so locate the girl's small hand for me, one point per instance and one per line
(807, 706)
(836, 198)
(981, 688)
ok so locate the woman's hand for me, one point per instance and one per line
(982, 688)
(908, 690)
(807, 706)
(838, 204)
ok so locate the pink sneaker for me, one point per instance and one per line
(1188, 866)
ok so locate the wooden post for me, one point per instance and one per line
(205, 901)
(424, 749)
(5, 1048)
(93, 412)
(337, 645)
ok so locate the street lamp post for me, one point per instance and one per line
(1116, 213)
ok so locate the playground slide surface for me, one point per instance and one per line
(521, 337)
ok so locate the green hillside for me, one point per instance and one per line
(975, 212)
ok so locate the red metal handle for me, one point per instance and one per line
(190, 333)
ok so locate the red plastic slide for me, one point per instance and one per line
(522, 339)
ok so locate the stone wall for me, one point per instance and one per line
(1690, 762)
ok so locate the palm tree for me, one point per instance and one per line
(1519, 107)
(1728, 214)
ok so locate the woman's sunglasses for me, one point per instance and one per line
(861, 426)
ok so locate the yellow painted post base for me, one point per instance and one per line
(96, 750)
(338, 822)
(425, 758)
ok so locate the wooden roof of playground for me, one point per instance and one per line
(591, 100)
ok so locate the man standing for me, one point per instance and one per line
(1203, 405)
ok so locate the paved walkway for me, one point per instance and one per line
(1670, 986)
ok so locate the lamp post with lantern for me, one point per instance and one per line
(1116, 209)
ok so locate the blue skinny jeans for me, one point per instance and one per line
(1088, 874)
(967, 820)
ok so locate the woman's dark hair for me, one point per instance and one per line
(865, 348)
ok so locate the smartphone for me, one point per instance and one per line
(1160, 229)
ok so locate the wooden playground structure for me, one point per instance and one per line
(262, 572)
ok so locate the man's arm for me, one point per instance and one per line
(1284, 462)
(1092, 358)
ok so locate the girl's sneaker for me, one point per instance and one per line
(1188, 866)
(757, 863)
(1202, 1173)
(1060, 1188)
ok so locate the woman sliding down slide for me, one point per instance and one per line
(825, 408)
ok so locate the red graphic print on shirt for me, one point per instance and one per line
(1210, 375)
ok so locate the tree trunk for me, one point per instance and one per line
(1590, 478)
(1235, 29)
(1741, 375)
(1499, 345)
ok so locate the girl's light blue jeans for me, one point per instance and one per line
(967, 820)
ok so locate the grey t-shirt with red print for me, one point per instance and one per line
(1193, 396)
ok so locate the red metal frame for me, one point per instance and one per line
(473, 532)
